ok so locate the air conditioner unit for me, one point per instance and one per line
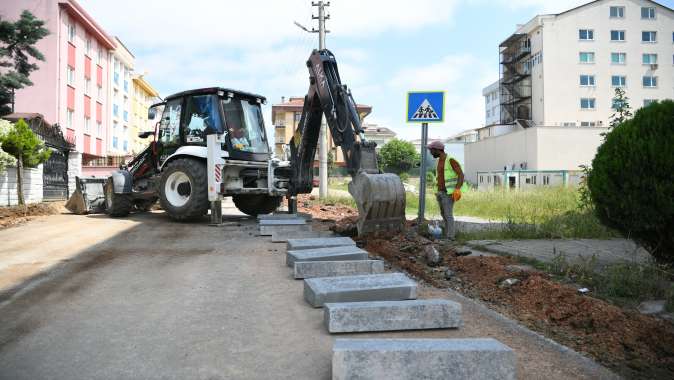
(654, 66)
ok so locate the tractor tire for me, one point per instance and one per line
(256, 204)
(183, 190)
(116, 205)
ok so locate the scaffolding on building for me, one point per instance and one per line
(515, 80)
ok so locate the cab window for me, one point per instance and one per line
(169, 126)
(244, 125)
(202, 118)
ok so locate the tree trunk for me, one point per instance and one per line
(19, 179)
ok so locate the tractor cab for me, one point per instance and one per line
(188, 117)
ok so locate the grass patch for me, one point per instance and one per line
(336, 200)
(623, 284)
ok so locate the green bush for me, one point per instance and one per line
(398, 156)
(632, 179)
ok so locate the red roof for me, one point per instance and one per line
(296, 104)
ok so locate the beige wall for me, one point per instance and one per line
(541, 148)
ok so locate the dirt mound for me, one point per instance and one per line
(11, 216)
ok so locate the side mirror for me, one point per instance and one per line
(146, 134)
(151, 113)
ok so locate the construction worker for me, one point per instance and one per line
(449, 176)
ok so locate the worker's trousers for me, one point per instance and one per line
(447, 210)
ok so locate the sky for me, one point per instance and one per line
(384, 48)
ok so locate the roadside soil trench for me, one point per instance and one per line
(633, 345)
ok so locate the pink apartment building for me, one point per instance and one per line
(71, 88)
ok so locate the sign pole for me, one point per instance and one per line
(422, 173)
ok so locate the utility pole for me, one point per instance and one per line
(323, 136)
(323, 146)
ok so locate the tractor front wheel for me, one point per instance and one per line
(116, 205)
(256, 204)
(183, 190)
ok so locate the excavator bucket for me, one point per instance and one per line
(381, 202)
(88, 197)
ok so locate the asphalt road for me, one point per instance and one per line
(163, 300)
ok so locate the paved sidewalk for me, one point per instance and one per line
(166, 300)
(605, 251)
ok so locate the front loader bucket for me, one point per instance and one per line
(88, 197)
(381, 202)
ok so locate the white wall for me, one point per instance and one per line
(494, 153)
(32, 186)
(561, 44)
(566, 148)
(541, 148)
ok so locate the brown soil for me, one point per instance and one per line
(11, 216)
(634, 345)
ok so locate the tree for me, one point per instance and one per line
(17, 40)
(27, 149)
(331, 163)
(631, 183)
(623, 111)
(398, 156)
(5, 158)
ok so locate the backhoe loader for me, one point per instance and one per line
(211, 143)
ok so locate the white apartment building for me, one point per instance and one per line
(558, 79)
(492, 104)
(120, 139)
(564, 68)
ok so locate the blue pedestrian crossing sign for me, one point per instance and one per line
(425, 107)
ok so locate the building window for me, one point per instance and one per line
(87, 86)
(71, 33)
(587, 80)
(297, 116)
(126, 86)
(114, 142)
(116, 78)
(618, 81)
(587, 103)
(586, 57)
(650, 81)
(617, 35)
(69, 119)
(650, 59)
(115, 110)
(648, 36)
(89, 46)
(617, 12)
(648, 13)
(586, 34)
(100, 56)
(126, 145)
(87, 125)
(99, 128)
(618, 58)
(616, 103)
(648, 102)
(126, 115)
(70, 75)
(587, 123)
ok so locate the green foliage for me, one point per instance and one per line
(431, 179)
(623, 111)
(404, 177)
(17, 47)
(22, 143)
(398, 156)
(632, 180)
(5, 158)
(331, 162)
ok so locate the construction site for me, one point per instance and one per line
(219, 252)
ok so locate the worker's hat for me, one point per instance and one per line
(436, 145)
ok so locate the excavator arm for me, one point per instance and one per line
(380, 197)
